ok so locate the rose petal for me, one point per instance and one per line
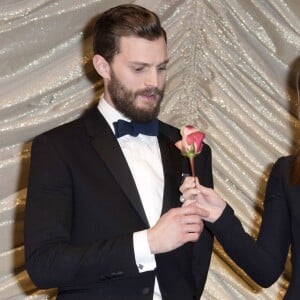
(191, 142)
(198, 138)
(178, 144)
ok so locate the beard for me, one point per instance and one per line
(126, 102)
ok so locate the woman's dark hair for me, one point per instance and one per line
(124, 20)
(295, 174)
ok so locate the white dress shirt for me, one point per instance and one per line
(144, 159)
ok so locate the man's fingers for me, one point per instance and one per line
(189, 202)
(195, 210)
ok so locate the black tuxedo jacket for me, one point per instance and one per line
(83, 207)
(264, 260)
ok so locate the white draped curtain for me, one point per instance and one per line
(231, 74)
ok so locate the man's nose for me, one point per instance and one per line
(152, 79)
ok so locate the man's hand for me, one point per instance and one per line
(175, 228)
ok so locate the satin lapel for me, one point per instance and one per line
(172, 166)
(109, 150)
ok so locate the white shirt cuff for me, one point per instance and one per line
(144, 259)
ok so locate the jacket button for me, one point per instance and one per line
(146, 291)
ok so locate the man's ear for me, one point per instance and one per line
(102, 66)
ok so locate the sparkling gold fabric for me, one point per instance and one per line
(231, 61)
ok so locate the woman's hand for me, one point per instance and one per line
(195, 194)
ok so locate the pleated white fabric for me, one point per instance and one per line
(230, 64)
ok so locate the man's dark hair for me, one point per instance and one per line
(121, 21)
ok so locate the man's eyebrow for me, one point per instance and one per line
(164, 62)
(138, 63)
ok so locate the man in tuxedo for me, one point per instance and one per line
(103, 218)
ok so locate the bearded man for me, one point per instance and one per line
(103, 218)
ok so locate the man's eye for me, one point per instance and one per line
(164, 68)
(138, 69)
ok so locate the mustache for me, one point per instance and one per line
(150, 92)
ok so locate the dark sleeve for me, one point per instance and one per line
(52, 259)
(203, 248)
(264, 259)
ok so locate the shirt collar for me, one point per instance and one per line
(109, 113)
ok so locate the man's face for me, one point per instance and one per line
(137, 78)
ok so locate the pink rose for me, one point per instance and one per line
(191, 143)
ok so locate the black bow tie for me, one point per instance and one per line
(135, 128)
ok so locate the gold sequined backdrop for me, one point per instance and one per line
(230, 62)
